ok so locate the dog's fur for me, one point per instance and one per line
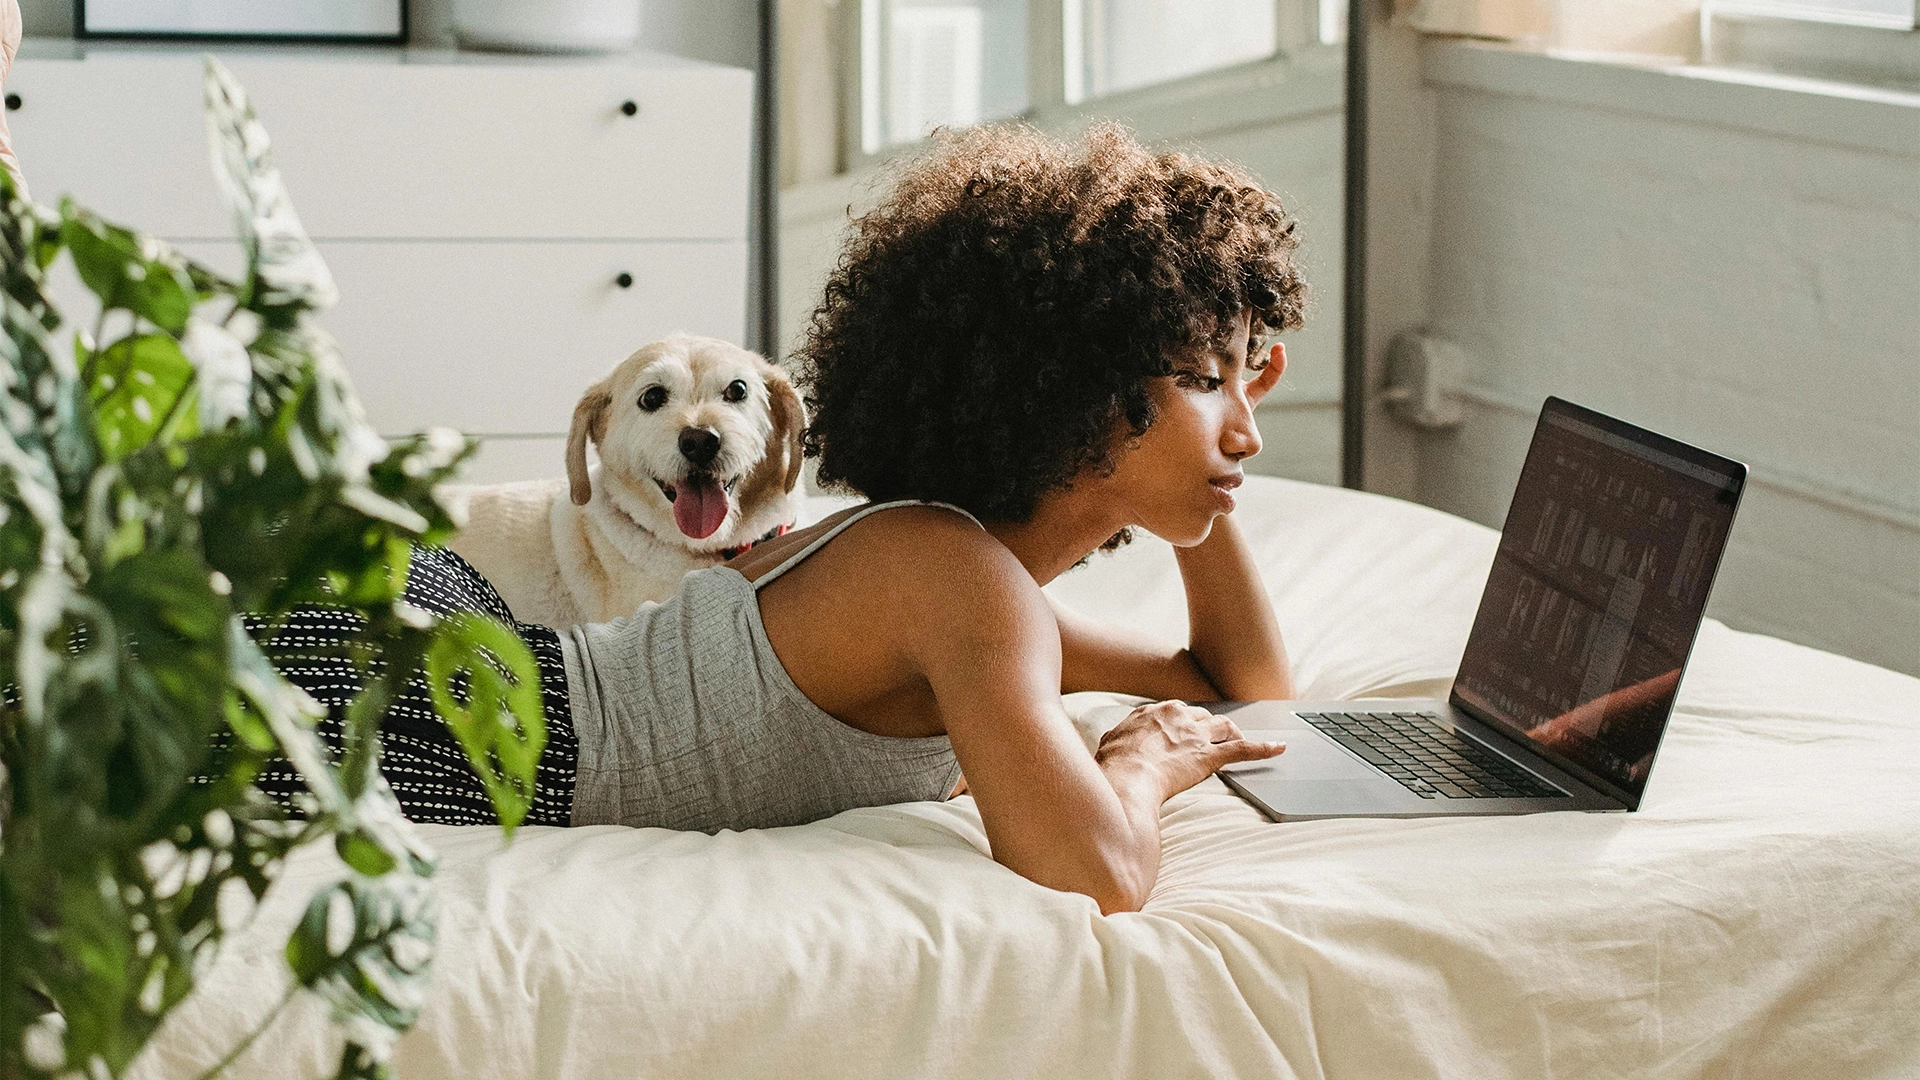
(599, 544)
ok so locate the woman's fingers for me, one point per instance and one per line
(1180, 722)
(1230, 744)
(1268, 377)
(1183, 744)
(1227, 753)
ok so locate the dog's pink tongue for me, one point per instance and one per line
(700, 508)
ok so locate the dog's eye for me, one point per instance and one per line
(652, 398)
(735, 391)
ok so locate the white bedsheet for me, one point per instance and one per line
(1759, 917)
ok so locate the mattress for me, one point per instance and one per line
(1756, 918)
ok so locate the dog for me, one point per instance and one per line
(699, 446)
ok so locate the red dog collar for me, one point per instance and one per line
(727, 554)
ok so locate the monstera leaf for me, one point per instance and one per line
(284, 270)
(209, 463)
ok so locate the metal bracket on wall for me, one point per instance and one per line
(1422, 376)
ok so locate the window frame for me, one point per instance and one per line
(1790, 39)
(1839, 12)
(1300, 27)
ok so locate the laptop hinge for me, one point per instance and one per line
(1496, 738)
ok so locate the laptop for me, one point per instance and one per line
(1568, 680)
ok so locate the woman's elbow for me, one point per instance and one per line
(1271, 681)
(1114, 888)
(1121, 889)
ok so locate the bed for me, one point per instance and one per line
(1758, 917)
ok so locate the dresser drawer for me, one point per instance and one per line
(393, 144)
(502, 338)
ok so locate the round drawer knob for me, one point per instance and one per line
(13, 102)
(628, 107)
(625, 280)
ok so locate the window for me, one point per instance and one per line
(931, 63)
(925, 64)
(1887, 14)
(1842, 40)
(1333, 21)
(1114, 45)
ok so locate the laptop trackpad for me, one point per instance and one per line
(1310, 756)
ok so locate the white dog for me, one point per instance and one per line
(699, 445)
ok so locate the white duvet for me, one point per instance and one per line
(1759, 917)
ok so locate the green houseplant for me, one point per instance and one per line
(195, 456)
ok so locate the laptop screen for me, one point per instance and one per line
(1597, 591)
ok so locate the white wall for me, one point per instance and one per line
(1727, 258)
(1283, 121)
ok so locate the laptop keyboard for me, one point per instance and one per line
(1427, 758)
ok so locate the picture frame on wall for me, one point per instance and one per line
(365, 22)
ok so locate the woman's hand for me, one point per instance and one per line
(1267, 377)
(1169, 746)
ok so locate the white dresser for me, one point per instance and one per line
(503, 229)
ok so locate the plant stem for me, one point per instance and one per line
(186, 388)
(221, 1065)
(93, 354)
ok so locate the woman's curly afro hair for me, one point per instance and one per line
(994, 323)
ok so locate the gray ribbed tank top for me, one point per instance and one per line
(687, 719)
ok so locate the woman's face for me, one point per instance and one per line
(1181, 474)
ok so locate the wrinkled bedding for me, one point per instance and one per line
(1759, 917)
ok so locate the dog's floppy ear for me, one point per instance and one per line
(589, 421)
(789, 420)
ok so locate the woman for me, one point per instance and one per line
(1027, 350)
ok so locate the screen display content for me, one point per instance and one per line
(1596, 592)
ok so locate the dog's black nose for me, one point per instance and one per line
(699, 445)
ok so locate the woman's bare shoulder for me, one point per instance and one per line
(958, 602)
(901, 594)
(896, 541)
(928, 566)
(932, 545)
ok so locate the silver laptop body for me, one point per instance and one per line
(1563, 695)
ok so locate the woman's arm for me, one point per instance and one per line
(1234, 649)
(1232, 633)
(988, 645)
